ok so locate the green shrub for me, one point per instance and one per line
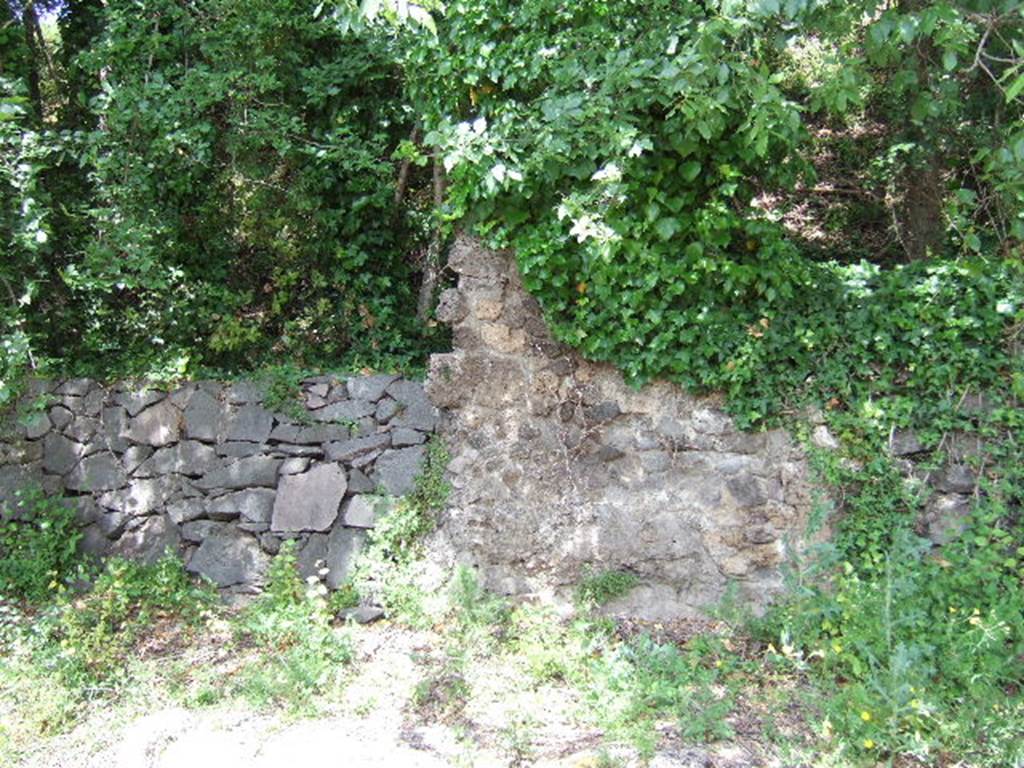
(596, 589)
(284, 392)
(97, 630)
(38, 546)
(387, 568)
(921, 652)
(302, 656)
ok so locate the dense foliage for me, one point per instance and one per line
(625, 151)
(235, 194)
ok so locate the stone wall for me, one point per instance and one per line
(209, 471)
(559, 467)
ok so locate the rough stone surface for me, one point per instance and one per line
(358, 482)
(250, 423)
(295, 465)
(253, 505)
(345, 411)
(239, 450)
(203, 417)
(352, 449)
(362, 511)
(312, 556)
(60, 416)
(38, 424)
(386, 409)
(369, 388)
(135, 401)
(186, 510)
(945, 515)
(954, 478)
(415, 411)
(343, 545)
(60, 455)
(310, 501)
(149, 541)
(244, 392)
(403, 437)
(905, 442)
(83, 429)
(243, 473)
(559, 466)
(396, 471)
(202, 465)
(197, 531)
(115, 428)
(14, 478)
(158, 425)
(99, 472)
(143, 497)
(228, 557)
(186, 458)
(94, 543)
(75, 387)
(134, 457)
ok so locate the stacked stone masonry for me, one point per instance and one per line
(208, 471)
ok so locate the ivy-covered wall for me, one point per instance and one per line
(560, 468)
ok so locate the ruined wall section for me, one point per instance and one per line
(559, 467)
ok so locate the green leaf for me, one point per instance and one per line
(666, 228)
(1015, 88)
(690, 170)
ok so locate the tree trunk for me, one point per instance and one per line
(918, 213)
(30, 24)
(432, 262)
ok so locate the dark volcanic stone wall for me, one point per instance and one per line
(208, 471)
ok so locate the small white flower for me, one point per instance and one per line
(610, 172)
(480, 125)
(1004, 308)
(498, 172)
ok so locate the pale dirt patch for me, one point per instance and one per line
(381, 720)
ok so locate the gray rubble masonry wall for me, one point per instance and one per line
(210, 472)
(560, 468)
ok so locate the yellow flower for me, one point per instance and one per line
(975, 620)
(865, 716)
(869, 744)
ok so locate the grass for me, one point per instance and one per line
(506, 680)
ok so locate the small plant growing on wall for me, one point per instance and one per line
(600, 588)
